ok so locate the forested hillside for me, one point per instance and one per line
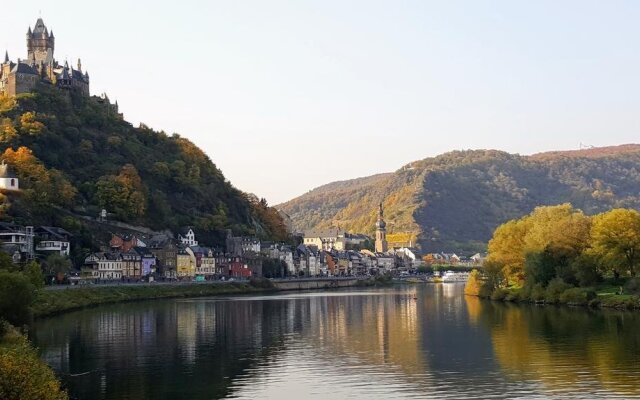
(453, 202)
(75, 156)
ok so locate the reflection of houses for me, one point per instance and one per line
(53, 240)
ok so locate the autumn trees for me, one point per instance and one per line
(560, 243)
(73, 154)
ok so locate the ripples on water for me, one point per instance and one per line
(361, 344)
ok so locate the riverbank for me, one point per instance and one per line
(23, 375)
(52, 302)
(557, 292)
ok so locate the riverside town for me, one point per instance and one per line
(319, 200)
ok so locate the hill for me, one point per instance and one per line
(75, 156)
(454, 201)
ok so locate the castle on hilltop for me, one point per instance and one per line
(40, 67)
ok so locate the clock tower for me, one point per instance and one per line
(381, 232)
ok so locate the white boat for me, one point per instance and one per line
(450, 277)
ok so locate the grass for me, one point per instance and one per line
(605, 295)
(50, 302)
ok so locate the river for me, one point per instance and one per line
(423, 341)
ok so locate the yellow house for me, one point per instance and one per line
(186, 264)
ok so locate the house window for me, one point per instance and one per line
(13, 182)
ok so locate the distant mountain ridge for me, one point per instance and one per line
(454, 201)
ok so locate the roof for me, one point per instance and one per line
(55, 231)
(23, 68)
(324, 233)
(6, 171)
(40, 28)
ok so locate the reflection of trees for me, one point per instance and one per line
(565, 349)
(174, 350)
(378, 330)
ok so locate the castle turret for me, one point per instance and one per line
(40, 44)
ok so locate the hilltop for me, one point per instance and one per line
(454, 201)
(75, 156)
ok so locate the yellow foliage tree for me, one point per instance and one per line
(616, 239)
(560, 228)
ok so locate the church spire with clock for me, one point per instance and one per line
(381, 232)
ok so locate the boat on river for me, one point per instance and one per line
(452, 277)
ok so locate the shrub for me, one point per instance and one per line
(474, 284)
(577, 296)
(23, 376)
(555, 288)
(632, 286)
(499, 294)
(262, 283)
(538, 293)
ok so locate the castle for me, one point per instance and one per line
(40, 67)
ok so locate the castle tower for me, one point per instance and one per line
(40, 44)
(381, 232)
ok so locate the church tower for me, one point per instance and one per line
(381, 232)
(40, 44)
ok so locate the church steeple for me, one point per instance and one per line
(381, 231)
(6, 56)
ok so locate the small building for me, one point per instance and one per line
(165, 250)
(185, 264)
(15, 238)
(330, 239)
(205, 261)
(8, 179)
(132, 265)
(187, 237)
(53, 240)
(105, 266)
(147, 261)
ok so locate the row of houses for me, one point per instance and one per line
(25, 243)
(309, 260)
(133, 258)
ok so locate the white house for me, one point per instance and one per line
(52, 239)
(8, 179)
(188, 237)
(106, 266)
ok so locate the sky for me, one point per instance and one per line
(285, 96)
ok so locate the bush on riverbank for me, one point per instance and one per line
(23, 376)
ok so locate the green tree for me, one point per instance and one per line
(57, 265)
(17, 294)
(34, 273)
(615, 239)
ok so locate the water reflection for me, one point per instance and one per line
(567, 350)
(422, 341)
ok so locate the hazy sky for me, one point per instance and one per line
(287, 95)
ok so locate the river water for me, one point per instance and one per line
(423, 341)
